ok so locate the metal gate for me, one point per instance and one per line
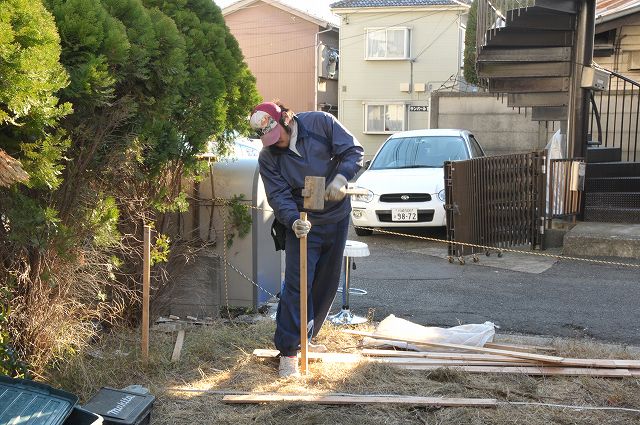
(495, 202)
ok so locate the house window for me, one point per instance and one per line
(388, 43)
(385, 118)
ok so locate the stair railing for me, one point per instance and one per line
(615, 116)
(492, 15)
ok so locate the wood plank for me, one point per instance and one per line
(431, 358)
(567, 363)
(536, 370)
(177, 349)
(516, 354)
(519, 347)
(360, 399)
(436, 355)
(409, 361)
(329, 357)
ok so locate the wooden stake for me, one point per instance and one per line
(146, 277)
(177, 349)
(304, 361)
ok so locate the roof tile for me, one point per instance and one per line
(395, 3)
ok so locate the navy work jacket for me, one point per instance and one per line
(326, 149)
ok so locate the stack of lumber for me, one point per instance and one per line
(493, 358)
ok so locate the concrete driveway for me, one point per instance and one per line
(521, 293)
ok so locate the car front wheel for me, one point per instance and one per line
(361, 231)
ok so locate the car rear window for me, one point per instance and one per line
(419, 152)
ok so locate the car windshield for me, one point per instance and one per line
(419, 152)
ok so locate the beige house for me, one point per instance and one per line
(292, 54)
(617, 40)
(393, 53)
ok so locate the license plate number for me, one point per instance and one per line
(404, 214)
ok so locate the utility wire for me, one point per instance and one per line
(435, 39)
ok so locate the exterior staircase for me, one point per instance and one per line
(525, 49)
(612, 187)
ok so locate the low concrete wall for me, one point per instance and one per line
(499, 129)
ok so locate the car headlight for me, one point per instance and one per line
(442, 196)
(363, 198)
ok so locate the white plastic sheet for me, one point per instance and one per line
(556, 149)
(472, 334)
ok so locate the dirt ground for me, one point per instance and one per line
(217, 359)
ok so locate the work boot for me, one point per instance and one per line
(288, 366)
(317, 348)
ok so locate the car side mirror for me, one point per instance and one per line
(367, 163)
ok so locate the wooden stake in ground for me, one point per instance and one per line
(177, 349)
(304, 362)
(146, 277)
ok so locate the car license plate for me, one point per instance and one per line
(404, 214)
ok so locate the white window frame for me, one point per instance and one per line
(385, 104)
(407, 43)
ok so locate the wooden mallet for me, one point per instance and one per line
(313, 193)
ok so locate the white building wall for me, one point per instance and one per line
(435, 58)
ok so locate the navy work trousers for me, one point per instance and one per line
(325, 249)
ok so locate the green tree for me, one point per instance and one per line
(30, 77)
(470, 72)
(221, 89)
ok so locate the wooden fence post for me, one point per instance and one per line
(146, 277)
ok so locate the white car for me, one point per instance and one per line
(405, 179)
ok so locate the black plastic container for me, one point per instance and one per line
(121, 406)
(80, 416)
(28, 402)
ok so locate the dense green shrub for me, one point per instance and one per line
(106, 103)
(30, 78)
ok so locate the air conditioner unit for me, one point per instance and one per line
(328, 59)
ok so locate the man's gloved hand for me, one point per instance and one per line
(301, 228)
(334, 190)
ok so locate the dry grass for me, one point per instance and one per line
(218, 359)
